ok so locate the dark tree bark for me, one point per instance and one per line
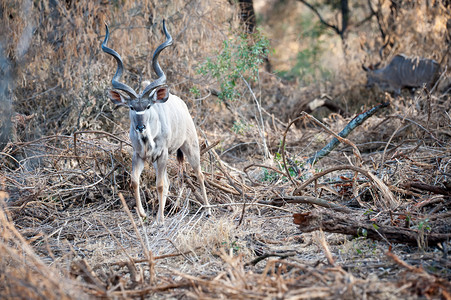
(344, 17)
(247, 14)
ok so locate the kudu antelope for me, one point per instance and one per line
(160, 124)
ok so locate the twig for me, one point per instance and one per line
(261, 128)
(203, 151)
(420, 126)
(97, 132)
(390, 200)
(282, 255)
(402, 263)
(147, 252)
(273, 117)
(236, 146)
(194, 190)
(11, 157)
(322, 241)
(284, 137)
(24, 144)
(148, 290)
(261, 166)
(357, 224)
(387, 144)
(219, 165)
(138, 261)
(130, 261)
(243, 198)
(224, 164)
(87, 273)
(321, 19)
(221, 187)
(39, 94)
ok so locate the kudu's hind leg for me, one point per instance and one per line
(193, 156)
(200, 177)
(137, 168)
(162, 184)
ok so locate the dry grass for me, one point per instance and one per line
(66, 234)
(71, 218)
(62, 77)
(24, 275)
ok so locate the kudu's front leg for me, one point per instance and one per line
(137, 168)
(162, 184)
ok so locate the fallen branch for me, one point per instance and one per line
(306, 200)
(426, 187)
(353, 224)
(357, 121)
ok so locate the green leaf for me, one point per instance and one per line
(240, 56)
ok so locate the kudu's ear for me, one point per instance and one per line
(162, 94)
(117, 98)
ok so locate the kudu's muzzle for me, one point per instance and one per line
(140, 128)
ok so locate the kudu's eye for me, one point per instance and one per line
(148, 106)
(132, 108)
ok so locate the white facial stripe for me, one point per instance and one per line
(141, 112)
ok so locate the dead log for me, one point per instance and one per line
(279, 201)
(356, 224)
(426, 187)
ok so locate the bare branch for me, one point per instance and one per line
(321, 19)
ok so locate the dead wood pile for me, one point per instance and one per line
(67, 232)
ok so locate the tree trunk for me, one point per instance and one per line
(247, 14)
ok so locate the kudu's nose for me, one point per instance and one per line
(140, 128)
